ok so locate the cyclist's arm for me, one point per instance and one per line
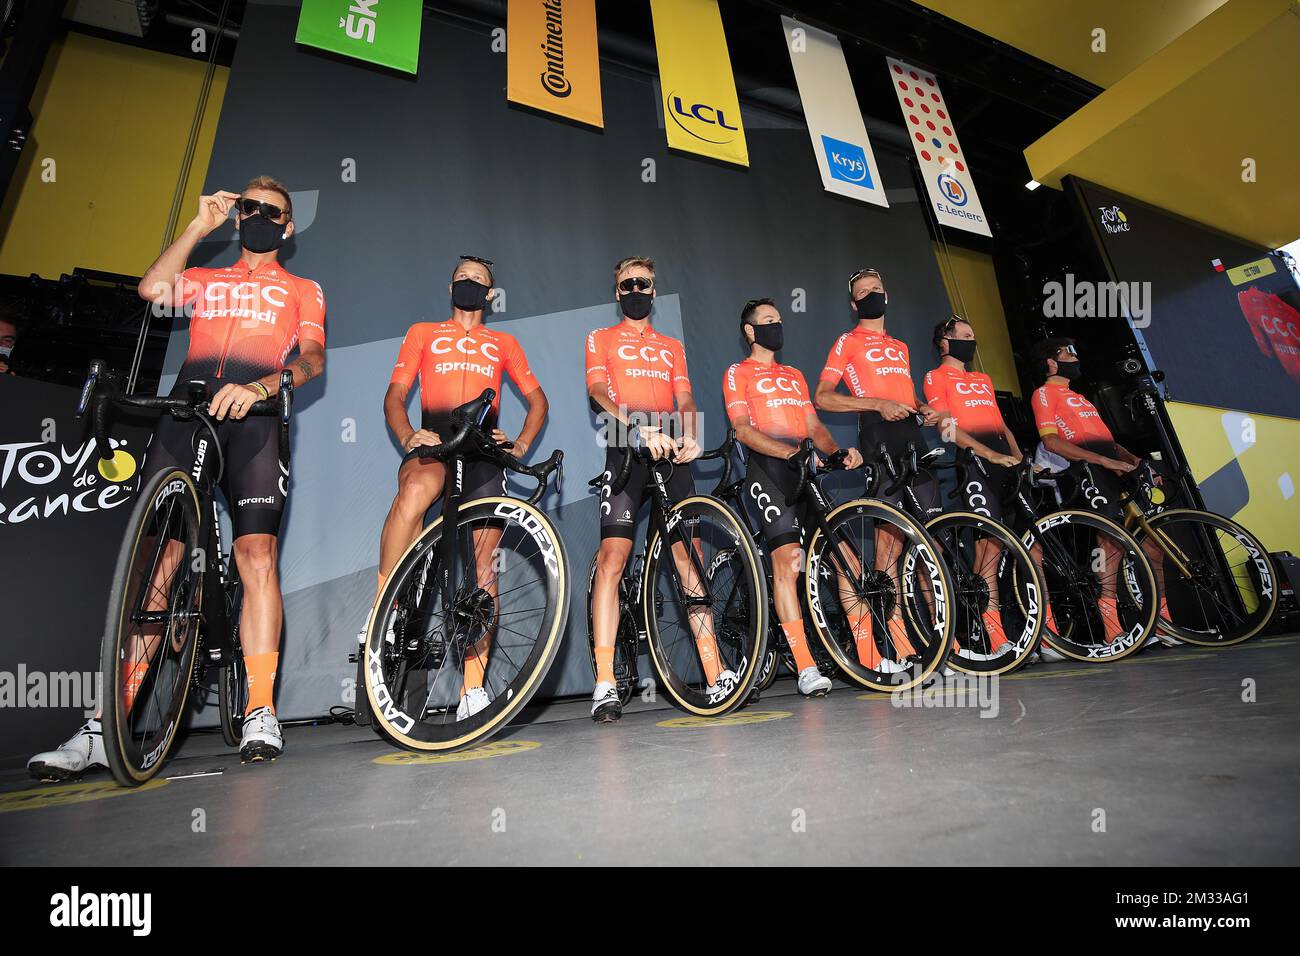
(821, 436)
(598, 392)
(964, 439)
(1072, 452)
(159, 280)
(830, 400)
(399, 422)
(1127, 456)
(538, 406)
(1011, 442)
(309, 363)
(689, 412)
(755, 440)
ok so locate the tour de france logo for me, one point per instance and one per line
(41, 481)
(1113, 219)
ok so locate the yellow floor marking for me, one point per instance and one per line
(745, 717)
(495, 748)
(62, 794)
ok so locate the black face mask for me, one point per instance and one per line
(770, 336)
(963, 350)
(636, 305)
(259, 234)
(871, 305)
(1068, 371)
(469, 295)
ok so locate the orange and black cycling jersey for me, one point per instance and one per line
(455, 365)
(247, 321)
(773, 397)
(967, 397)
(874, 364)
(642, 371)
(1060, 411)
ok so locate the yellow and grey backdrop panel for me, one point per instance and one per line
(96, 180)
(1247, 466)
(973, 291)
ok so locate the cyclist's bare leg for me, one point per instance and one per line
(889, 547)
(786, 561)
(699, 618)
(611, 559)
(261, 617)
(143, 643)
(1036, 553)
(858, 611)
(486, 543)
(988, 553)
(419, 483)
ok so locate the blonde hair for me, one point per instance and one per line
(274, 186)
(645, 262)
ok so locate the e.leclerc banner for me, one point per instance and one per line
(934, 137)
(552, 60)
(701, 109)
(386, 32)
(830, 108)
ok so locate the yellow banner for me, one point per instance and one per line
(1251, 271)
(701, 110)
(552, 62)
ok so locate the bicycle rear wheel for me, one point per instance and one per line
(723, 612)
(508, 616)
(1219, 581)
(876, 561)
(1086, 557)
(992, 572)
(151, 632)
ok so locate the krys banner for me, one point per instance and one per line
(701, 109)
(386, 33)
(552, 59)
(934, 138)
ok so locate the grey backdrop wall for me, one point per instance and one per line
(444, 166)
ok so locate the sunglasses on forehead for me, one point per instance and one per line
(479, 259)
(636, 284)
(251, 207)
(861, 273)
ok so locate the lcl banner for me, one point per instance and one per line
(830, 108)
(552, 60)
(934, 138)
(387, 33)
(701, 109)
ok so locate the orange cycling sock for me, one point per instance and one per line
(1049, 619)
(992, 619)
(708, 648)
(261, 680)
(605, 665)
(868, 653)
(794, 636)
(1110, 619)
(898, 634)
(132, 677)
(1164, 610)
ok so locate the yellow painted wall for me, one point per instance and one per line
(114, 119)
(1270, 465)
(973, 291)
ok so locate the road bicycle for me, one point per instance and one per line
(675, 599)
(173, 610)
(491, 593)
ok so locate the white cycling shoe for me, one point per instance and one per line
(262, 738)
(83, 751)
(605, 705)
(723, 687)
(475, 699)
(365, 629)
(812, 683)
(1050, 655)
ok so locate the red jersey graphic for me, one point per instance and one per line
(247, 321)
(874, 364)
(967, 397)
(641, 371)
(455, 365)
(1276, 327)
(773, 397)
(1060, 411)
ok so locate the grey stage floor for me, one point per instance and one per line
(1153, 761)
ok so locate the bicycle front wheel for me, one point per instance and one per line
(151, 632)
(879, 594)
(1219, 582)
(705, 607)
(500, 631)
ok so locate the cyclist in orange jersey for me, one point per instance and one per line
(248, 318)
(637, 382)
(771, 409)
(1071, 427)
(878, 372)
(454, 361)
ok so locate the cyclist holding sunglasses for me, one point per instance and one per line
(248, 317)
(878, 372)
(638, 385)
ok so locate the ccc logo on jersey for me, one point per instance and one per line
(972, 388)
(1275, 326)
(439, 346)
(768, 384)
(647, 353)
(273, 295)
(888, 352)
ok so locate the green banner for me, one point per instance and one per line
(386, 32)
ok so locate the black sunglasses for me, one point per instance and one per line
(636, 284)
(251, 207)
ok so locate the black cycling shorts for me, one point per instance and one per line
(1097, 488)
(989, 496)
(618, 512)
(873, 430)
(769, 483)
(481, 479)
(255, 482)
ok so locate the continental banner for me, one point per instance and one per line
(830, 108)
(552, 59)
(934, 138)
(701, 109)
(385, 33)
